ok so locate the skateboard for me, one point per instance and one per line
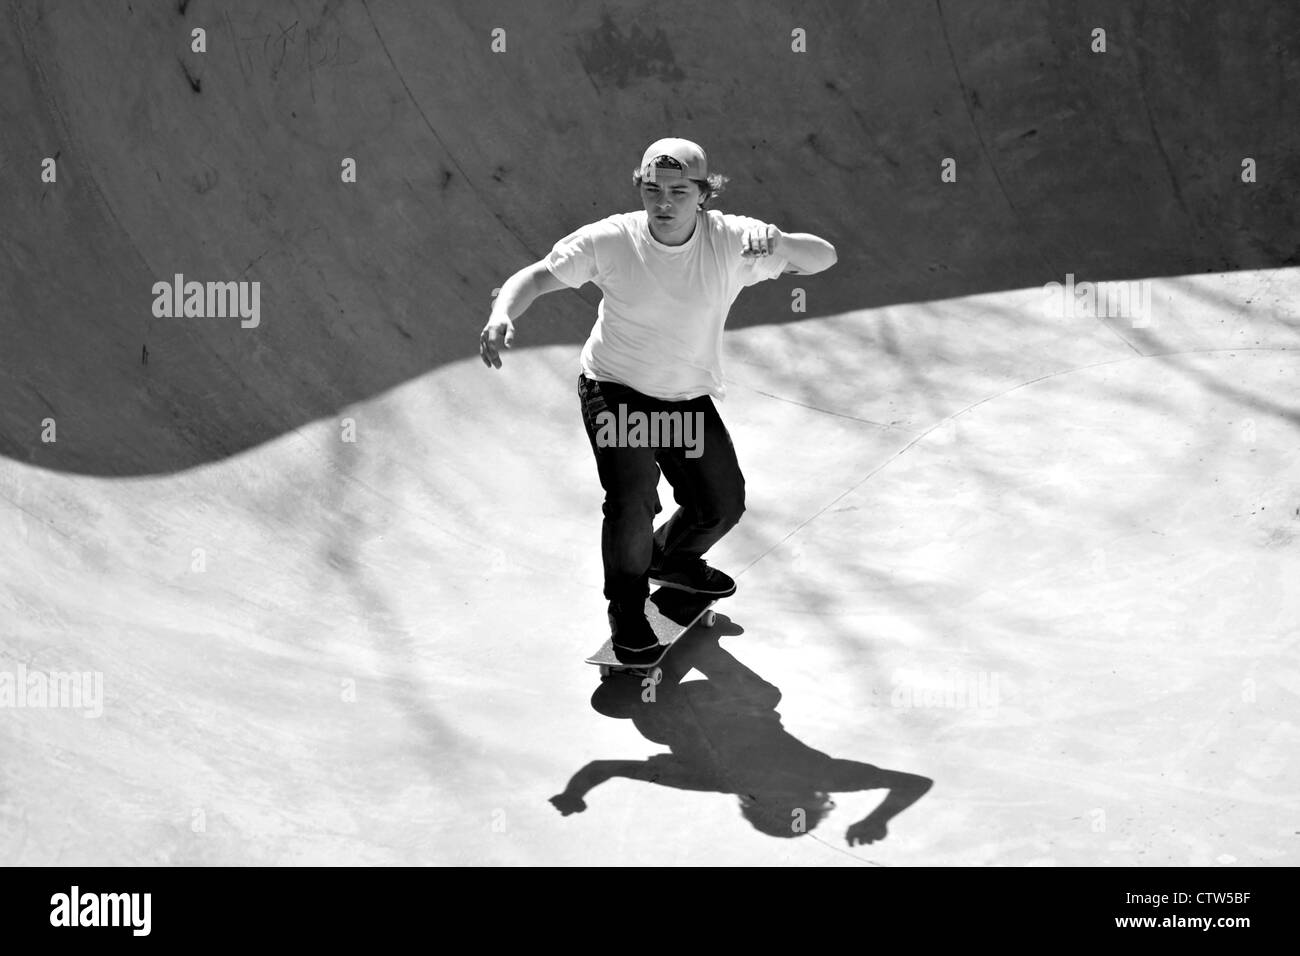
(671, 613)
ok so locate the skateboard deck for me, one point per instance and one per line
(671, 613)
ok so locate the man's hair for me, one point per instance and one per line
(710, 189)
(774, 813)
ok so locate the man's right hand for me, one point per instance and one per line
(499, 332)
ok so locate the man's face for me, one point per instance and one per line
(670, 203)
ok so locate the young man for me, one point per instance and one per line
(669, 275)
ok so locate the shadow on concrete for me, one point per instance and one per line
(724, 735)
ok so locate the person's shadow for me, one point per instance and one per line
(724, 735)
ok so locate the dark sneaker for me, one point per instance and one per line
(630, 632)
(696, 577)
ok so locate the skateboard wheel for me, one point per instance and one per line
(656, 675)
(604, 671)
(709, 618)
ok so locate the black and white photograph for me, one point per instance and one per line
(606, 433)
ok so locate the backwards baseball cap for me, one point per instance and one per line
(677, 157)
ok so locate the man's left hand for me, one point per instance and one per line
(760, 241)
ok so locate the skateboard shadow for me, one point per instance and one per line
(724, 735)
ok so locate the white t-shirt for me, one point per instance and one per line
(659, 326)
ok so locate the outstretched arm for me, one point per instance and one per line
(592, 776)
(805, 252)
(518, 293)
(904, 790)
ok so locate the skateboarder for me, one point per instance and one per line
(669, 274)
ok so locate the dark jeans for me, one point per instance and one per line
(709, 490)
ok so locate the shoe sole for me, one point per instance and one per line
(673, 585)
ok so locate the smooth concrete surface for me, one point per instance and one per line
(338, 579)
